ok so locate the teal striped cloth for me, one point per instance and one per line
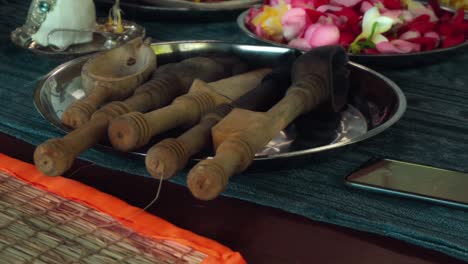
(433, 131)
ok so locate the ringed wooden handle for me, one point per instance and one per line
(210, 177)
(156, 94)
(135, 130)
(80, 111)
(55, 156)
(237, 138)
(242, 133)
(171, 155)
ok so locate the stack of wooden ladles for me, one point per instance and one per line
(218, 99)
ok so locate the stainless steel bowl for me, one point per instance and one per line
(378, 60)
(375, 102)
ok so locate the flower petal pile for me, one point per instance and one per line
(361, 26)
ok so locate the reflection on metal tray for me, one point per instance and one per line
(375, 102)
(379, 60)
(221, 5)
(104, 38)
(452, 9)
(138, 9)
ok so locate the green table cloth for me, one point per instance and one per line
(433, 131)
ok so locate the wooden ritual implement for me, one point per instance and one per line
(135, 129)
(171, 155)
(318, 77)
(55, 156)
(112, 75)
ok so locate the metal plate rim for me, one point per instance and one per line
(147, 6)
(401, 106)
(204, 8)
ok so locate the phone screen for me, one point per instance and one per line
(413, 180)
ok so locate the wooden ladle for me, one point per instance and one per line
(109, 76)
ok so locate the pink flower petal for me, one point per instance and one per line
(347, 3)
(406, 16)
(311, 4)
(365, 6)
(253, 12)
(406, 45)
(294, 23)
(410, 35)
(323, 35)
(424, 11)
(331, 19)
(397, 46)
(434, 35)
(310, 31)
(325, 8)
(302, 3)
(276, 2)
(300, 43)
(259, 31)
(393, 14)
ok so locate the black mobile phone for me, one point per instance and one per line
(412, 180)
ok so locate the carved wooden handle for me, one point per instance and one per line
(156, 94)
(135, 130)
(57, 155)
(210, 177)
(242, 133)
(80, 111)
(169, 156)
(237, 138)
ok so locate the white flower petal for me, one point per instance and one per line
(378, 38)
(384, 24)
(368, 20)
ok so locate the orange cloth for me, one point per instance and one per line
(143, 223)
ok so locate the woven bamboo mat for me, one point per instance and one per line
(41, 227)
(58, 220)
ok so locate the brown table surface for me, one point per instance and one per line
(261, 234)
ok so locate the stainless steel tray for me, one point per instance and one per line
(102, 40)
(149, 10)
(375, 102)
(223, 5)
(379, 60)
